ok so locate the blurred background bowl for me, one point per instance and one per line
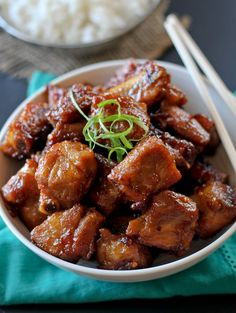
(81, 48)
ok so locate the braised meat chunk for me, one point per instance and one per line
(55, 93)
(133, 72)
(209, 126)
(169, 223)
(217, 204)
(174, 95)
(64, 111)
(22, 195)
(144, 84)
(148, 168)
(30, 215)
(28, 132)
(69, 235)
(118, 252)
(64, 175)
(62, 132)
(173, 118)
(22, 185)
(118, 223)
(127, 71)
(183, 151)
(202, 172)
(104, 193)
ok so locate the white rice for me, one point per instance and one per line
(73, 21)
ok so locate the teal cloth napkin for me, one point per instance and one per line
(26, 278)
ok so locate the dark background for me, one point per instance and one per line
(214, 29)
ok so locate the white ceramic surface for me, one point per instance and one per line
(164, 265)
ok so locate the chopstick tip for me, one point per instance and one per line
(171, 18)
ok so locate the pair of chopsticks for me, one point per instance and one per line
(189, 51)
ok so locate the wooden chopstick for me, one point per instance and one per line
(202, 88)
(204, 64)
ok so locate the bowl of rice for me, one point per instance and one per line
(87, 25)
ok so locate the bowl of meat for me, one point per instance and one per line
(115, 171)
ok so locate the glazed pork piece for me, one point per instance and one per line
(64, 175)
(28, 132)
(104, 194)
(55, 93)
(63, 111)
(62, 132)
(183, 151)
(22, 185)
(174, 96)
(69, 235)
(147, 169)
(130, 69)
(169, 223)
(137, 80)
(174, 119)
(118, 252)
(146, 83)
(127, 106)
(217, 204)
(118, 223)
(209, 126)
(202, 172)
(22, 195)
(30, 215)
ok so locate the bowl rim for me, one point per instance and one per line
(15, 32)
(133, 275)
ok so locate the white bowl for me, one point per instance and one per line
(165, 264)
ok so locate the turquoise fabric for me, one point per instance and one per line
(25, 278)
(38, 80)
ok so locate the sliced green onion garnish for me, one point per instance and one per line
(75, 104)
(100, 128)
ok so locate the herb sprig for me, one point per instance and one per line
(100, 128)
